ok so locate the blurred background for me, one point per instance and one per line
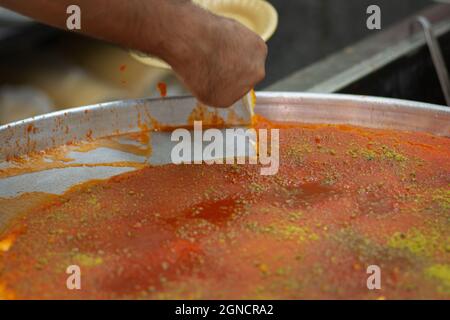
(43, 69)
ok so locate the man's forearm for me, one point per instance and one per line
(218, 59)
(153, 26)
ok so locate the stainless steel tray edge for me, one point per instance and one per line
(78, 124)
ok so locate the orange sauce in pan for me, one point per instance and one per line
(343, 199)
(162, 88)
(58, 158)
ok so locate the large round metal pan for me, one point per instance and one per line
(120, 117)
(73, 125)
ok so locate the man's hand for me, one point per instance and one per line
(218, 59)
(225, 63)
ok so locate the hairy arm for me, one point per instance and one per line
(218, 59)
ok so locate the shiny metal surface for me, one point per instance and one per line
(436, 55)
(371, 112)
(358, 61)
(78, 124)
